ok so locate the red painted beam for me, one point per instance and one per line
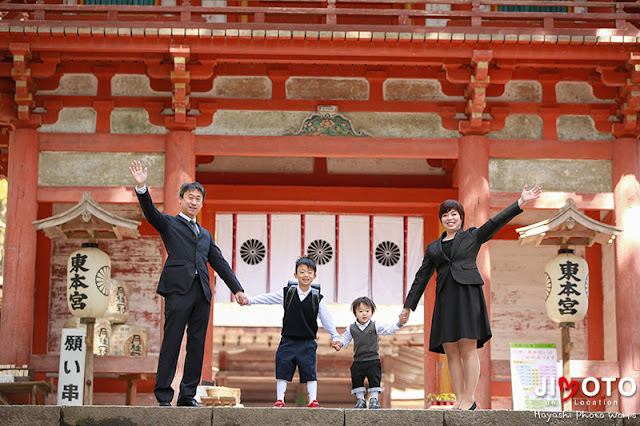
(313, 179)
(102, 194)
(335, 147)
(550, 148)
(555, 200)
(271, 199)
(101, 142)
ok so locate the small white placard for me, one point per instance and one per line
(71, 370)
(534, 377)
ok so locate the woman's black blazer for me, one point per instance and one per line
(464, 251)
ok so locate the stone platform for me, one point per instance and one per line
(159, 416)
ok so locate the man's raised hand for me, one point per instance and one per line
(139, 173)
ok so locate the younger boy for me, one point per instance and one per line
(299, 327)
(366, 360)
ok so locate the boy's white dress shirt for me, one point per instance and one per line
(277, 297)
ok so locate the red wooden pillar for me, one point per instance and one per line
(431, 232)
(209, 223)
(473, 178)
(179, 167)
(626, 195)
(20, 248)
(595, 314)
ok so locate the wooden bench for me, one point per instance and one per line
(130, 369)
(34, 387)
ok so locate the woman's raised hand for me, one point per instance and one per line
(528, 195)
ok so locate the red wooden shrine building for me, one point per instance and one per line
(363, 115)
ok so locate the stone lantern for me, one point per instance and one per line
(89, 268)
(567, 275)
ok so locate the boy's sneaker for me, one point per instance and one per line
(279, 403)
(373, 403)
(314, 404)
(361, 403)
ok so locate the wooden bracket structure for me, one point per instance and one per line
(21, 74)
(628, 83)
(475, 93)
(180, 82)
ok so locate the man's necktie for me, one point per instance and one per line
(194, 226)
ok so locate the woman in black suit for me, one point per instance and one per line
(460, 323)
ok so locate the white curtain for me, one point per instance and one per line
(224, 241)
(388, 260)
(251, 252)
(285, 249)
(353, 258)
(320, 244)
(415, 248)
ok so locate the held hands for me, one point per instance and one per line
(242, 298)
(404, 316)
(139, 173)
(528, 195)
(336, 345)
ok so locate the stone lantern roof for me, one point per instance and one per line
(568, 227)
(87, 220)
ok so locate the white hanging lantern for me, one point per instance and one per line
(567, 281)
(118, 310)
(88, 281)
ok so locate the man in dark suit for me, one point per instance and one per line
(184, 284)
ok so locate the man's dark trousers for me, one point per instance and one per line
(180, 310)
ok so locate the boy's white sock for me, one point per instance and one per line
(360, 394)
(312, 390)
(281, 388)
(373, 394)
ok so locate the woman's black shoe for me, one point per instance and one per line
(473, 407)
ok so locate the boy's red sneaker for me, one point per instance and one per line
(279, 403)
(314, 404)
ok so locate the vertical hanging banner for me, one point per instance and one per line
(251, 252)
(388, 260)
(415, 249)
(285, 249)
(353, 258)
(320, 244)
(71, 369)
(224, 241)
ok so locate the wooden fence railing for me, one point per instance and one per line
(579, 17)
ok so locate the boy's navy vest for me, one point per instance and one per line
(300, 319)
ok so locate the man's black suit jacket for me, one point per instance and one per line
(187, 253)
(464, 251)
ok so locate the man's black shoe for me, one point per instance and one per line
(164, 404)
(190, 402)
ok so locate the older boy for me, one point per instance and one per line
(299, 328)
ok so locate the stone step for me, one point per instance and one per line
(21, 415)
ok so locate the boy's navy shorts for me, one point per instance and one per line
(300, 353)
(372, 370)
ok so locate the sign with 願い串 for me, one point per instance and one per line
(534, 365)
(71, 370)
